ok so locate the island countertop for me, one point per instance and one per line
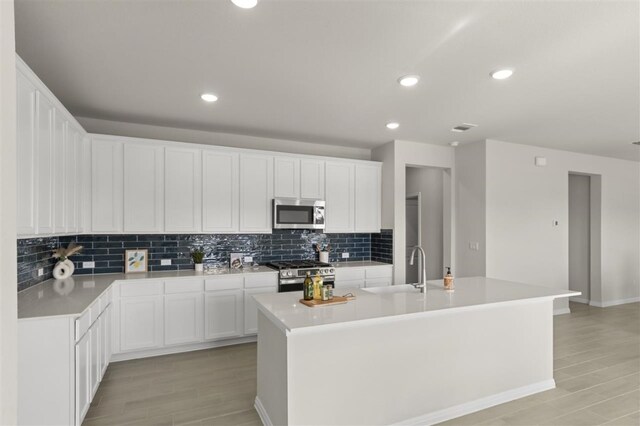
(286, 311)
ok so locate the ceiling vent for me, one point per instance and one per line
(463, 127)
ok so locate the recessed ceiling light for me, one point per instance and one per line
(463, 127)
(409, 80)
(209, 97)
(393, 125)
(245, 4)
(502, 74)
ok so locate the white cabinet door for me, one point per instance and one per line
(83, 388)
(312, 179)
(95, 370)
(223, 314)
(220, 194)
(106, 186)
(105, 340)
(143, 188)
(72, 140)
(60, 163)
(256, 193)
(26, 177)
(367, 198)
(44, 144)
(141, 321)
(251, 309)
(183, 318)
(286, 177)
(339, 189)
(183, 190)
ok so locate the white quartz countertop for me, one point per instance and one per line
(288, 313)
(73, 295)
(359, 264)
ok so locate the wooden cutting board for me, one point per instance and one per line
(337, 300)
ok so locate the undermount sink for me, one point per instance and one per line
(401, 288)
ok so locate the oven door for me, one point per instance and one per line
(298, 214)
(285, 285)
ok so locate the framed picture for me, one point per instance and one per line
(235, 260)
(136, 260)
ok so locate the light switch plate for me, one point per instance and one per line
(473, 245)
(165, 262)
(40, 272)
(88, 265)
(345, 255)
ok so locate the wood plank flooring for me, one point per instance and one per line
(597, 372)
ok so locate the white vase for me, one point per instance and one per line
(63, 269)
(199, 267)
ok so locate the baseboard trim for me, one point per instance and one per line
(125, 356)
(264, 417)
(561, 311)
(579, 300)
(614, 302)
(479, 404)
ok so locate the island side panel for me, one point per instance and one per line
(427, 368)
(272, 372)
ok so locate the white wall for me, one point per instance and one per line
(579, 235)
(396, 156)
(523, 201)
(428, 181)
(106, 127)
(8, 285)
(471, 209)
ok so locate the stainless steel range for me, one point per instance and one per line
(292, 273)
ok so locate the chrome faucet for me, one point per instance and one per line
(422, 285)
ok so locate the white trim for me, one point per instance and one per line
(125, 356)
(614, 302)
(264, 417)
(561, 311)
(479, 404)
(579, 300)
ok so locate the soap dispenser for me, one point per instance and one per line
(448, 279)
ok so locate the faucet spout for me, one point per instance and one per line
(423, 279)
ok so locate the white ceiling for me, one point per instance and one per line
(325, 71)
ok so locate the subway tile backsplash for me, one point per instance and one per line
(107, 251)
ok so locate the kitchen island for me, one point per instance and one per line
(394, 355)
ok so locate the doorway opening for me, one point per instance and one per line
(584, 237)
(427, 220)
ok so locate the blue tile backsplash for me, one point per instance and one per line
(107, 251)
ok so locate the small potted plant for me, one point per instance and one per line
(197, 255)
(64, 267)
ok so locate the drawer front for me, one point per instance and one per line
(224, 283)
(347, 273)
(82, 324)
(379, 272)
(378, 282)
(261, 280)
(340, 285)
(183, 286)
(141, 288)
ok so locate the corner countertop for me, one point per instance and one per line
(71, 296)
(359, 264)
(288, 314)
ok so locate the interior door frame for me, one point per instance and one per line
(418, 196)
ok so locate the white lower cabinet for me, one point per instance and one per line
(141, 321)
(223, 314)
(83, 374)
(183, 318)
(95, 373)
(251, 309)
(364, 276)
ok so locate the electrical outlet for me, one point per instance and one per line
(165, 262)
(40, 272)
(88, 265)
(248, 259)
(473, 245)
(345, 255)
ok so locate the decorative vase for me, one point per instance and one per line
(324, 256)
(63, 269)
(199, 267)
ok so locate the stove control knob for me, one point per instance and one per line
(332, 271)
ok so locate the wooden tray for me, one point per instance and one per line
(337, 300)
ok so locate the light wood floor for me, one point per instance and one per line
(597, 372)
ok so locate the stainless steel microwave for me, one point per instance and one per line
(293, 213)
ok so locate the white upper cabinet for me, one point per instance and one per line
(367, 197)
(183, 190)
(72, 141)
(340, 190)
(59, 164)
(143, 188)
(286, 177)
(256, 193)
(26, 168)
(312, 179)
(44, 144)
(220, 192)
(84, 215)
(106, 185)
